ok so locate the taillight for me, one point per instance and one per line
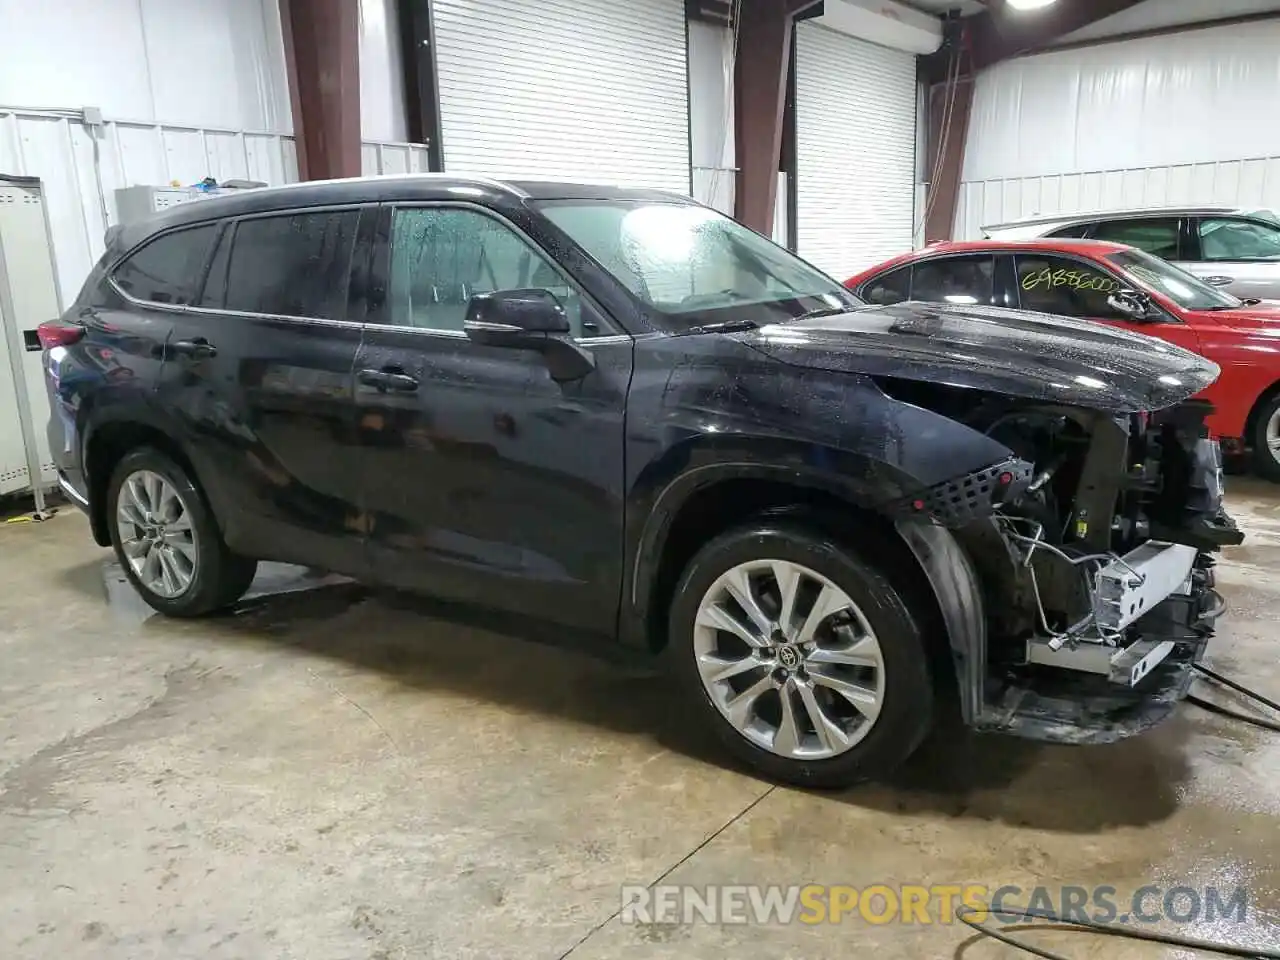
(55, 333)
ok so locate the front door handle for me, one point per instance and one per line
(198, 348)
(1217, 281)
(388, 378)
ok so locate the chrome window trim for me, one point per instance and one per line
(235, 314)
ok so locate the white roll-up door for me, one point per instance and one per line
(591, 90)
(855, 150)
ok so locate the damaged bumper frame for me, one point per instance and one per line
(1153, 611)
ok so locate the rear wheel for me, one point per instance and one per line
(803, 657)
(167, 541)
(1266, 439)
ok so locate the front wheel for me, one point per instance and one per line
(167, 541)
(1266, 439)
(802, 656)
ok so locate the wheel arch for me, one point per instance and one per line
(107, 442)
(1255, 411)
(704, 502)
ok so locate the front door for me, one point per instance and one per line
(486, 481)
(260, 378)
(1241, 256)
(1072, 287)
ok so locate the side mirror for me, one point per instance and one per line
(1131, 304)
(512, 318)
(528, 319)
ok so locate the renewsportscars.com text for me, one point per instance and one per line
(920, 904)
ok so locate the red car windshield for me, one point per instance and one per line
(1187, 291)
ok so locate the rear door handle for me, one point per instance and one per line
(197, 347)
(388, 379)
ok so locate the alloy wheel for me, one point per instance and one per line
(156, 534)
(1273, 435)
(789, 659)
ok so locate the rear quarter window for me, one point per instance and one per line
(169, 269)
(891, 287)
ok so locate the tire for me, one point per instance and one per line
(191, 544)
(1266, 460)
(862, 747)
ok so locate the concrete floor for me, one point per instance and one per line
(331, 775)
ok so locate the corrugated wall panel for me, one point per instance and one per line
(589, 90)
(1254, 182)
(855, 150)
(1172, 119)
(60, 151)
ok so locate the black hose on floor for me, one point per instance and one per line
(1241, 689)
(965, 914)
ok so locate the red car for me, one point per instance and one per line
(1124, 287)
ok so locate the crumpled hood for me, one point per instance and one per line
(1014, 352)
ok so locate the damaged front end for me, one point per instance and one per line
(1093, 549)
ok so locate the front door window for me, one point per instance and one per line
(1066, 287)
(441, 257)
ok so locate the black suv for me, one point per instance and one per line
(617, 416)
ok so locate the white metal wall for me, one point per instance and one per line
(855, 150)
(80, 193)
(1181, 118)
(382, 110)
(205, 63)
(592, 90)
(711, 140)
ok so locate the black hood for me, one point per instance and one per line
(1013, 352)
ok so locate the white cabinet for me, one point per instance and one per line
(28, 297)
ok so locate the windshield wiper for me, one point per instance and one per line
(725, 326)
(822, 312)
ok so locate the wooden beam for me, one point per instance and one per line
(322, 49)
(761, 75)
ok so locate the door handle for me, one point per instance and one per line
(388, 379)
(1217, 281)
(197, 348)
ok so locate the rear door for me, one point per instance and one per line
(259, 378)
(1238, 253)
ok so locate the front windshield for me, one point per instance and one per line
(1187, 291)
(692, 266)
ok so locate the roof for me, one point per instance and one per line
(420, 186)
(1069, 218)
(1099, 248)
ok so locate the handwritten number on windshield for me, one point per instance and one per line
(1071, 279)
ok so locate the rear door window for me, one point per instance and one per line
(959, 280)
(1158, 236)
(292, 265)
(168, 269)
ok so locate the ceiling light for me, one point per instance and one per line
(1028, 4)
